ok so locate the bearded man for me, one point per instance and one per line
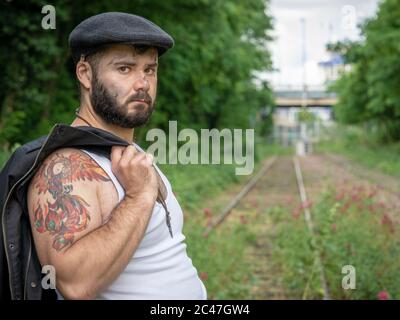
(112, 227)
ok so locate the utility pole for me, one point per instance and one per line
(304, 60)
(301, 144)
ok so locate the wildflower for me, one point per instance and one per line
(203, 276)
(243, 219)
(333, 227)
(387, 221)
(307, 204)
(207, 212)
(383, 295)
(296, 213)
(339, 196)
(345, 207)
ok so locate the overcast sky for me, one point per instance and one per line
(325, 21)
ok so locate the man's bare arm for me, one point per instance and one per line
(67, 224)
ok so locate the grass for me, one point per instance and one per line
(362, 147)
(219, 257)
(352, 228)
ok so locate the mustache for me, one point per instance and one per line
(140, 96)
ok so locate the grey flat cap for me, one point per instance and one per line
(116, 27)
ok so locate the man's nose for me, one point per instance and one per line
(141, 83)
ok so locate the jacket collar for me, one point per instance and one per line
(63, 135)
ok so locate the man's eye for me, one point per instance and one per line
(150, 71)
(124, 69)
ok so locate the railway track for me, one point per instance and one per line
(278, 173)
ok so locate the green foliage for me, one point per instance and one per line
(352, 228)
(370, 91)
(360, 232)
(206, 81)
(219, 257)
(292, 252)
(306, 116)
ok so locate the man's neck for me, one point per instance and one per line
(95, 121)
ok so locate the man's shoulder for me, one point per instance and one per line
(70, 173)
(69, 165)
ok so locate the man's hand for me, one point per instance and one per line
(135, 171)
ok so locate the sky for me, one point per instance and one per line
(324, 21)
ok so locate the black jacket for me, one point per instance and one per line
(20, 270)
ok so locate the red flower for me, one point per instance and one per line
(307, 204)
(207, 212)
(333, 227)
(386, 220)
(339, 196)
(383, 295)
(296, 213)
(203, 276)
(243, 219)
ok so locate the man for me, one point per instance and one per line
(99, 221)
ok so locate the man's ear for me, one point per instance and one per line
(84, 73)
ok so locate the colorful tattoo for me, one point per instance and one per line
(68, 213)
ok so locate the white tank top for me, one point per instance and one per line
(160, 268)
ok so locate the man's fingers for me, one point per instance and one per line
(127, 155)
(122, 156)
(149, 158)
(116, 154)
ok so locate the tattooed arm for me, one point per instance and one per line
(67, 222)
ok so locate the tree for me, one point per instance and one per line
(371, 91)
(206, 81)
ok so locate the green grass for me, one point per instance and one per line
(352, 228)
(219, 257)
(362, 147)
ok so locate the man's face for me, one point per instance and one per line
(124, 86)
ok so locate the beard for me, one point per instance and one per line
(105, 104)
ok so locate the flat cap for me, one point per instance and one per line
(116, 28)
